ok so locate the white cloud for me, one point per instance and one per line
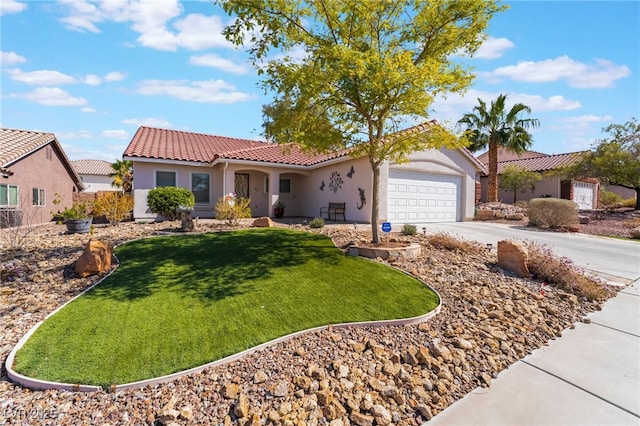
(11, 6)
(599, 75)
(210, 91)
(88, 109)
(115, 76)
(52, 96)
(92, 80)
(215, 61)
(151, 122)
(150, 19)
(493, 48)
(78, 134)
(115, 134)
(11, 58)
(41, 78)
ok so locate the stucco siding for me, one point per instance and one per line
(42, 169)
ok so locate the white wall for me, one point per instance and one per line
(95, 183)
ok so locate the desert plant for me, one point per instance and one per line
(518, 179)
(165, 200)
(629, 202)
(609, 198)
(316, 222)
(560, 272)
(552, 212)
(115, 206)
(409, 229)
(446, 241)
(232, 209)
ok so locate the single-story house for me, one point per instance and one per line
(433, 186)
(95, 175)
(34, 169)
(584, 191)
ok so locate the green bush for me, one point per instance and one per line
(317, 222)
(166, 199)
(409, 230)
(552, 212)
(232, 209)
(609, 198)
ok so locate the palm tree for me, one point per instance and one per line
(497, 128)
(123, 175)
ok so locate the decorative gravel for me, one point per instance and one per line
(371, 375)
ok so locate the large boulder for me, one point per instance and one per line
(96, 259)
(263, 222)
(513, 256)
(635, 233)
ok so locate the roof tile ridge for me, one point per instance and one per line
(208, 135)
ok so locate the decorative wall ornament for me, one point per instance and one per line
(351, 172)
(322, 186)
(336, 182)
(363, 200)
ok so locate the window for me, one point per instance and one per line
(285, 186)
(165, 178)
(38, 197)
(200, 187)
(8, 195)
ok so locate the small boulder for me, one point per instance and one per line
(96, 259)
(485, 215)
(263, 222)
(513, 256)
(635, 233)
(584, 220)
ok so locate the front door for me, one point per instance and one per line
(242, 185)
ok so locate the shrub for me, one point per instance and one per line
(445, 241)
(409, 230)
(166, 199)
(522, 204)
(317, 222)
(560, 272)
(609, 198)
(629, 202)
(552, 212)
(232, 209)
(115, 206)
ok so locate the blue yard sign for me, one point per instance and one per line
(386, 227)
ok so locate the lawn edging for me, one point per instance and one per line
(39, 384)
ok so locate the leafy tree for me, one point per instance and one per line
(164, 200)
(497, 127)
(616, 159)
(518, 179)
(368, 66)
(123, 175)
(115, 206)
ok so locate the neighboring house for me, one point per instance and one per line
(34, 169)
(433, 186)
(505, 154)
(95, 175)
(583, 191)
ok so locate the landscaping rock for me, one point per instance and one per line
(635, 233)
(95, 259)
(263, 222)
(513, 256)
(489, 320)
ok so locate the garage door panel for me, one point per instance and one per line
(414, 196)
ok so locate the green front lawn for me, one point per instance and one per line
(179, 302)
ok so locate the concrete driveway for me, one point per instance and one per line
(615, 257)
(588, 376)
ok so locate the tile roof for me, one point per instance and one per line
(15, 144)
(544, 163)
(92, 167)
(177, 145)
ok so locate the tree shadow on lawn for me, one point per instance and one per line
(212, 266)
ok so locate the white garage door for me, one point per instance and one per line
(414, 197)
(583, 194)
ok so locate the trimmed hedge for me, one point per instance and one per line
(166, 199)
(552, 212)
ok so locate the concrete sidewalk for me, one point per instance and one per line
(588, 376)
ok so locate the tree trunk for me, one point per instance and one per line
(514, 196)
(492, 188)
(374, 202)
(638, 198)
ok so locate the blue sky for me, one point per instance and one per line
(93, 71)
